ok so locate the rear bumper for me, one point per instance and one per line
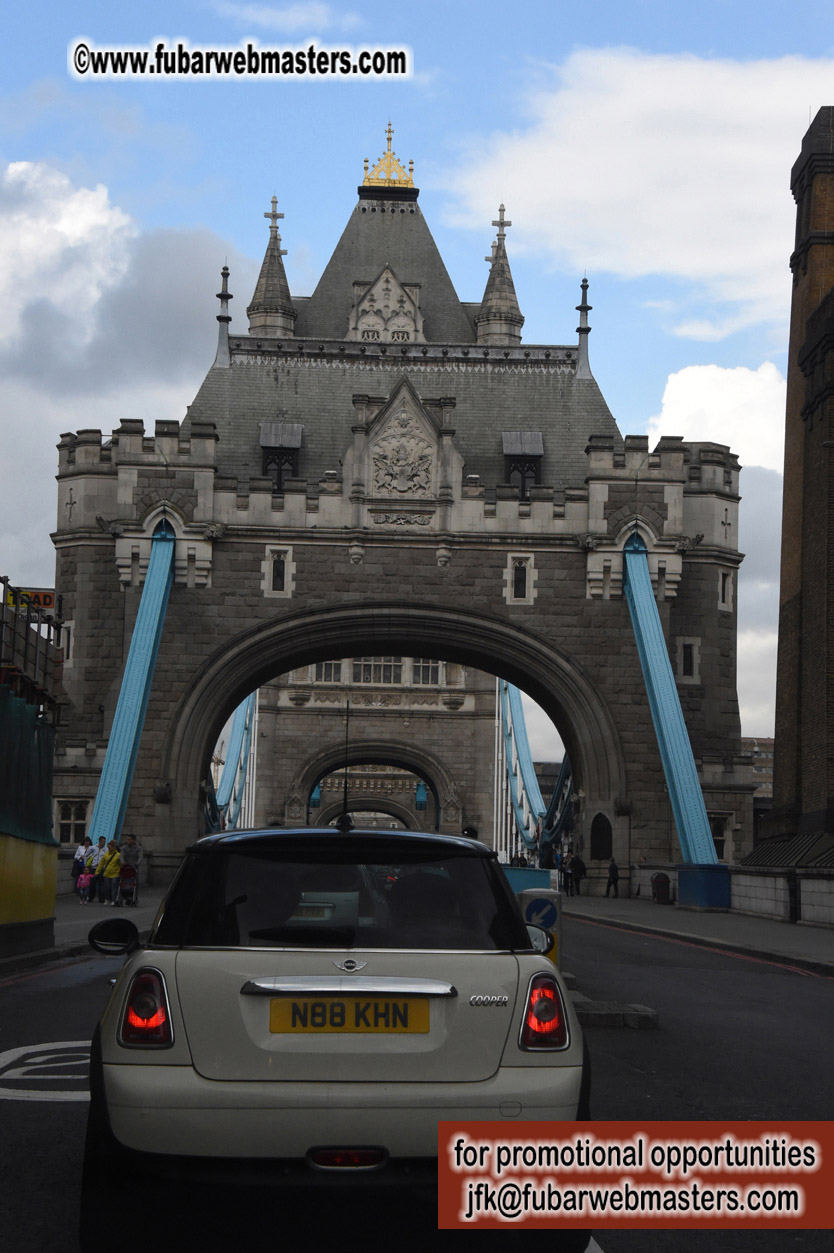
(172, 1111)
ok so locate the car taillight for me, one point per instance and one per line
(545, 1024)
(146, 1022)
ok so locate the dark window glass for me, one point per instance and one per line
(279, 464)
(520, 580)
(359, 892)
(522, 473)
(328, 672)
(378, 670)
(426, 671)
(279, 573)
(601, 841)
(688, 661)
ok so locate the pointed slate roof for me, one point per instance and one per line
(499, 301)
(272, 307)
(386, 228)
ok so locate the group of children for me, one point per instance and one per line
(97, 870)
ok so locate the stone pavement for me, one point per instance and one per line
(791, 944)
(73, 922)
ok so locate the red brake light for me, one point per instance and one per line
(347, 1159)
(146, 1021)
(545, 1023)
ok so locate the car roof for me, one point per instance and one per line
(246, 841)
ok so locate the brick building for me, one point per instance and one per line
(803, 785)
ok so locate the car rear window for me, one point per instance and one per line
(320, 895)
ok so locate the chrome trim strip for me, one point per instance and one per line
(346, 985)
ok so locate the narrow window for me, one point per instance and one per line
(688, 662)
(519, 580)
(279, 572)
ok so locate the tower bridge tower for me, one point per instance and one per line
(382, 469)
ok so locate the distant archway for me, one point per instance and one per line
(563, 688)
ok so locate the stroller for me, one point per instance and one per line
(128, 886)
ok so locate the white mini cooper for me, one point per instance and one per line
(308, 1006)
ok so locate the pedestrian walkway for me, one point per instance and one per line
(73, 922)
(794, 944)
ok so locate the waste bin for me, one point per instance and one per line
(660, 888)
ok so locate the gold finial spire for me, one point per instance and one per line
(388, 172)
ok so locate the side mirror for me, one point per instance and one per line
(114, 937)
(541, 940)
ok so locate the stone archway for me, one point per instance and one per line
(380, 805)
(563, 689)
(439, 781)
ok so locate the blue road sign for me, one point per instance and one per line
(541, 912)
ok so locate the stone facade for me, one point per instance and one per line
(435, 719)
(384, 522)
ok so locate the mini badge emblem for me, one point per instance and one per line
(349, 965)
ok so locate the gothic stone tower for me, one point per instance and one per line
(383, 469)
(803, 787)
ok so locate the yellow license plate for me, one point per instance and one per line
(349, 1014)
(312, 911)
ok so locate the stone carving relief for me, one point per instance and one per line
(402, 458)
(386, 311)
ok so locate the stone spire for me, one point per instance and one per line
(224, 296)
(583, 330)
(271, 312)
(499, 319)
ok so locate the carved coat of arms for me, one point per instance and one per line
(402, 460)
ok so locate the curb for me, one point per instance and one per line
(826, 969)
(611, 1014)
(21, 962)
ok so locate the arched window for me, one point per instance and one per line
(601, 839)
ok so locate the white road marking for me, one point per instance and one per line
(45, 1062)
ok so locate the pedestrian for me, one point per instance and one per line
(567, 873)
(131, 854)
(81, 854)
(107, 875)
(579, 872)
(95, 855)
(613, 877)
(83, 884)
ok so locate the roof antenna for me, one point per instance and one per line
(344, 822)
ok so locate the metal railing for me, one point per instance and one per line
(30, 646)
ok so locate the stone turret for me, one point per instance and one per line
(499, 320)
(271, 311)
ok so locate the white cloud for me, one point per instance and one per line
(643, 164)
(293, 19)
(68, 245)
(103, 322)
(757, 681)
(740, 407)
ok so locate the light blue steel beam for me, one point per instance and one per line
(242, 760)
(675, 750)
(126, 732)
(234, 753)
(524, 783)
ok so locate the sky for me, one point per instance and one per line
(646, 145)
